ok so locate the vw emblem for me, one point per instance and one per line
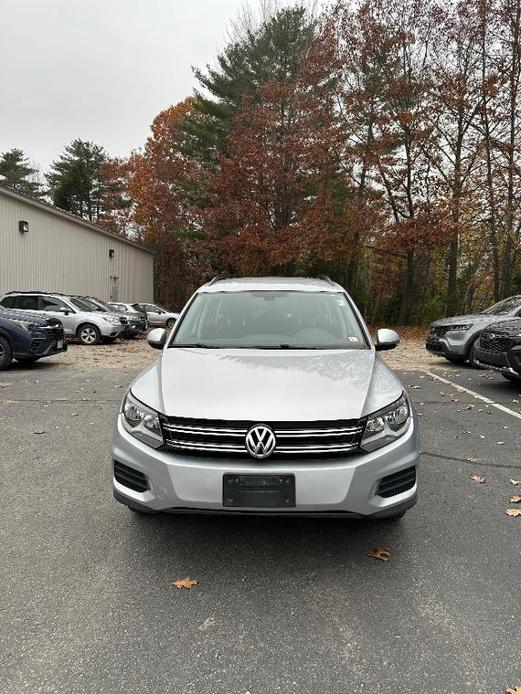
(260, 441)
(491, 336)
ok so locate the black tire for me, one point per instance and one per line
(6, 353)
(396, 518)
(27, 360)
(170, 323)
(88, 334)
(456, 360)
(512, 378)
(471, 355)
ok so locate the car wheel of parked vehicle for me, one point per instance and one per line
(26, 360)
(170, 323)
(511, 377)
(6, 353)
(472, 355)
(89, 334)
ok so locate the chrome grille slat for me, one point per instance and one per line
(191, 436)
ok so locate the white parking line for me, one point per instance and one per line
(459, 388)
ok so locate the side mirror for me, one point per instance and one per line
(64, 310)
(157, 338)
(386, 339)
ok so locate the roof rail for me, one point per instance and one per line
(217, 278)
(326, 278)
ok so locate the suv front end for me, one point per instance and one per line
(288, 429)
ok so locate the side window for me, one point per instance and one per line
(9, 301)
(150, 308)
(121, 307)
(27, 303)
(49, 303)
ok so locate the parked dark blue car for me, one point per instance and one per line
(27, 337)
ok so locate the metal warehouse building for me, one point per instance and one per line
(43, 248)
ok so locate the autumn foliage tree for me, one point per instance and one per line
(378, 142)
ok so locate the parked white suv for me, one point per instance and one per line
(78, 319)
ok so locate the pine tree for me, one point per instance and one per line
(272, 51)
(74, 181)
(16, 172)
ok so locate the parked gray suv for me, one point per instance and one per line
(456, 338)
(269, 397)
(79, 319)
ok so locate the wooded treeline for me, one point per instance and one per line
(378, 142)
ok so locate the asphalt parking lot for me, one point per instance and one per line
(281, 605)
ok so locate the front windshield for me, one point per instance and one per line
(504, 308)
(270, 320)
(84, 304)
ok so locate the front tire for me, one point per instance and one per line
(472, 355)
(456, 360)
(6, 353)
(89, 334)
(396, 518)
(512, 378)
(170, 323)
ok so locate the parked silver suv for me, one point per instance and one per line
(268, 397)
(77, 316)
(157, 316)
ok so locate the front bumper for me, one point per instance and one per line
(508, 362)
(111, 329)
(327, 486)
(450, 345)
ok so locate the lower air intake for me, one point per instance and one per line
(128, 477)
(397, 483)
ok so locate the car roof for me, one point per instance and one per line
(296, 284)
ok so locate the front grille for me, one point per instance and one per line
(128, 477)
(304, 439)
(397, 483)
(496, 344)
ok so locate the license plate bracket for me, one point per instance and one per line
(258, 491)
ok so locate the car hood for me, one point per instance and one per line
(300, 385)
(37, 318)
(471, 318)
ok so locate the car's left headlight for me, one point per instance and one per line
(141, 421)
(386, 425)
(459, 328)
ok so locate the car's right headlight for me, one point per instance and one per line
(386, 425)
(24, 325)
(141, 421)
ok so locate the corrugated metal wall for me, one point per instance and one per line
(61, 255)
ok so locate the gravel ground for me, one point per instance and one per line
(136, 354)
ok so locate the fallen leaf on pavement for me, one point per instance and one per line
(515, 482)
(469, 407)
(382, 553)
(500, 443)
(472, 460)
(515, 690)
(513, 512)
(515, 499)
(184, 583)
(478, 478)
(39, 432)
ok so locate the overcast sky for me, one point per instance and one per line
(99, 69)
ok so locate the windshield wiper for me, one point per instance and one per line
(199, 345)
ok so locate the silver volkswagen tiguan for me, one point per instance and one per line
(269, 397)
